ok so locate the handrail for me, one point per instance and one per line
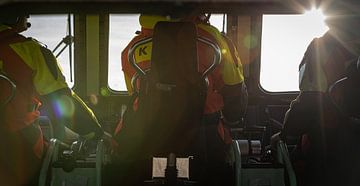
(133, 81)
(217, 55)
(100, 155)
(50, 156)
(237, 152)
(283, 157)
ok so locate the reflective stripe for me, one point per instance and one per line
(17, 111)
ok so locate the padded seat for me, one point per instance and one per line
(171, 101)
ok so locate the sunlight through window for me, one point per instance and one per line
(122, 30)
(284, 41)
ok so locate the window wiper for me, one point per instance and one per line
(65, 42)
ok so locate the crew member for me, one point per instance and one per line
(39, 80)
(226, 94)
(325, 136)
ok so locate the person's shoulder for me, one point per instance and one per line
(35, 42)
(32, 44)
(325, 39)
(208, 27)
(320, 44)
(314, 45)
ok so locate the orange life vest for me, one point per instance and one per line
(22, 140)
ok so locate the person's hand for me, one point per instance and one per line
(274, 140)
(31, 117)
(70, 136)
(107, 137)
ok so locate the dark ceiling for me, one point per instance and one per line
(154, 6)
(144, 6)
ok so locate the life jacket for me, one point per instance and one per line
(229, 72)
(12, 64)
(21, 141)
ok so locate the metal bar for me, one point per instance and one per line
(70, 47)
(217, 55)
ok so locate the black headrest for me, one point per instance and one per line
(174, 43)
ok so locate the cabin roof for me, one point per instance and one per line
(141, 6)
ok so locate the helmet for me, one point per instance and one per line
(339, 7)
(344, 13)
(9, 19)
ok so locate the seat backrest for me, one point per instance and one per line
(171, 101)
(172, 104)
(171, 98)
(345, 93)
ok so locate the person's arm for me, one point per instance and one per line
(235, 99)
(234, 92)
(59, 100)
(68, 108)
(310, 111)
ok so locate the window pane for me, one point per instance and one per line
(122, 30)
(217, 21)
(284, 41)
(50, 30)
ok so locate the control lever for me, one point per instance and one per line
(171, 170)
(68, 160)
(275, 123)
(78, 150)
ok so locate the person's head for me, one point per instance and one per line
(185, 13)
(189, 14)
(343, 16)
(148, 21)
(343, 20)
(17, 22)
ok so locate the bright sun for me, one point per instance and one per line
(284, 41)
(316, 17)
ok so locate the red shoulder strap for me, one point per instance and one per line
(17, 70)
